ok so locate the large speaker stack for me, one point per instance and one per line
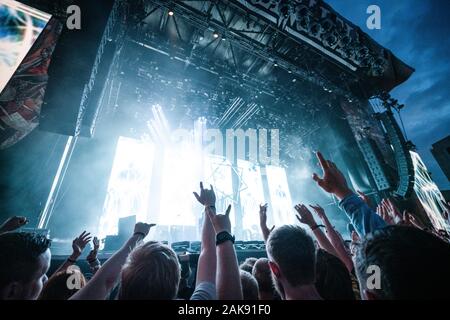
(375, 162)
(405, 168)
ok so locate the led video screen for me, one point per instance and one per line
(20, 26)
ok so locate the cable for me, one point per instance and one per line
(401, 122)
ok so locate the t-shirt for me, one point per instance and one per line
(205, 291)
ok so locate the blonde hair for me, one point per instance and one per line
(152, 272)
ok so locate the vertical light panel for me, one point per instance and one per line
(280, 196)
(218, 172)
(129, 184)
(179, 179)
(251, 196)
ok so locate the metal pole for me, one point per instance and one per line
(47, 212)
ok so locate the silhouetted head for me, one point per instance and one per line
(249, 286)
(332, 278)
(24, 262)
(292, 256)
(63, 285)
(400, 262)
(262, 274)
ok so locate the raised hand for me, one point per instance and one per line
(411, 220)
(304, 215)
(263, 222)
(79, 243)
(263, 214)
(220, 222)
(142, 229)
(319, 211)
(382, 211)
(96, 243)
(333, 181)
(355, 242)
(92, 256)
(207, 197)
(263, 217)
(393, 211)
(13, 223)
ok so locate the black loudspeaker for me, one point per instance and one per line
(96, 97)
(75, 64)
(126, 226)
(405, 167)
(376, 163)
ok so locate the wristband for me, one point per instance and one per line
(317, 226)
(224, 236)
(96, 261)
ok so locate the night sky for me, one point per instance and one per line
(418, 32)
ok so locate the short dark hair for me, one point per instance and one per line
(249, 286)
(246, 267)
(251, 261)
(333, 280)
(19, 253)
(413, 263)
(152, 272)
(294, 251)
(261, 272)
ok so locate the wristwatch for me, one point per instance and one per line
(224, 236)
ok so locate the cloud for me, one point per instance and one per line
(418, 32)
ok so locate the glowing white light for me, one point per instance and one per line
(428, 193)
(251, 196)
(180, 176)
(129, 184)
(280, 196)
(218, 172)
(159, 126)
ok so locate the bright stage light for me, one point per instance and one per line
(280, 196)
(251, 196)
(180, 176)
(129, 184)
(218, 172)
(428, 193)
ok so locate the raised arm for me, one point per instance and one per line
(305, 216)
(363, 218)
(228, 276)
(12, 224)
(207, 261)
(78, 245)
(92, 260)
(263, 222)
(335, 238)
(101, 284)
